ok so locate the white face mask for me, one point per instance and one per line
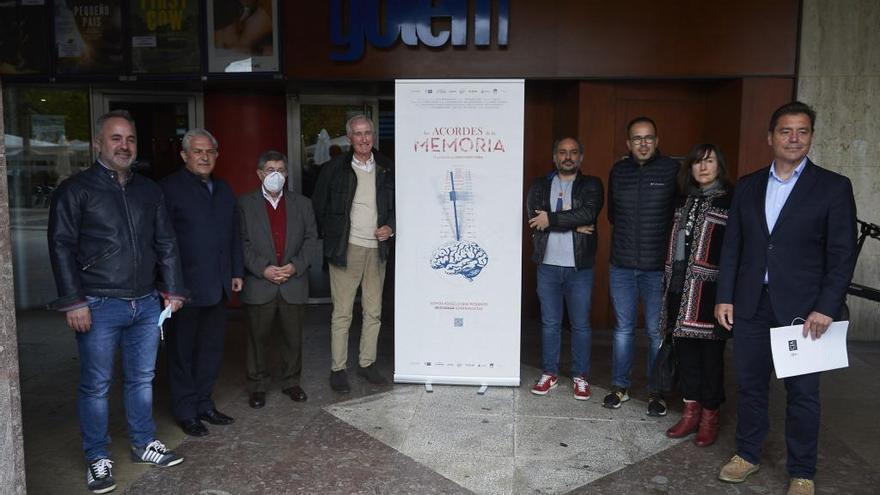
(274, 182)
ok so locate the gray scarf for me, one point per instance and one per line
(694, 195)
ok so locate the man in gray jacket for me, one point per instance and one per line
(278, 232)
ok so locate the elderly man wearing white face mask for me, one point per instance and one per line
(278, 231)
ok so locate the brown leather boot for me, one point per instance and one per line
(690, 418)
(708, 430)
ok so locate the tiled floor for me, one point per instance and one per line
(399, 439)
(508, 440)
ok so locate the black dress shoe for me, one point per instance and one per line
(371, 374)
(193, 427)
(339, 381)
(257, 399)
(296, 393)
(216, 417)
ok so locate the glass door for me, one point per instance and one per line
(162, 119)
(316, 134)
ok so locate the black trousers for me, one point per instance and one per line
(701, 370)
(754, 360)
(263, 318)
(195, 351)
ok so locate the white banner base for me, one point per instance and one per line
(458, 380)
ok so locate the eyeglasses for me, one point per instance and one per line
(642, 139)
(200, 152)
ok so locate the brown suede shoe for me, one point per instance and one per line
(737, 470)
(800, 486)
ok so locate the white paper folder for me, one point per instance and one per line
(794, 354)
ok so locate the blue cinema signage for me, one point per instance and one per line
(411, 21)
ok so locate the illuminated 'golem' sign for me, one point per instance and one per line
(410, 21)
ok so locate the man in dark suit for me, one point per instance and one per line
(278, 235)
(789, 253)
(202, 210)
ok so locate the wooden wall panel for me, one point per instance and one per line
(760, 97)
(575, 39)
(678, 109)
(723, 113)
(686, 113)
(598, 131)
(540, 113)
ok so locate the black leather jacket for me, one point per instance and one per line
(110, 241)
(334, 193)
(587, 198)
(641, 200)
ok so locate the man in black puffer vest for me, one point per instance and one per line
(641, 197)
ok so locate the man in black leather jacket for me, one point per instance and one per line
(109, 236)
(562, 210)
(354, 207)
(641, 200)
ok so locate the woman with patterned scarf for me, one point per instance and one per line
(689, 287)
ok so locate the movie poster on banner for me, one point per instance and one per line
(459, 216)
(88, 36)
(165, 36)
(242, 35)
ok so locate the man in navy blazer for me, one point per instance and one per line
(202, 210)
(789, 254)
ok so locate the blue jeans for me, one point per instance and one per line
(575, 287)
(130, 325)
(627, 287)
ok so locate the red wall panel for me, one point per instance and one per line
(245, 124)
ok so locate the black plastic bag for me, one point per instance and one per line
(665, 366)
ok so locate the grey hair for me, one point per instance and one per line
(114, 114)
(190, 134)
(271, 156)
(351, 121)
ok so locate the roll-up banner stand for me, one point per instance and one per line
(459, 174)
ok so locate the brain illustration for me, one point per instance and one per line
(465, 258)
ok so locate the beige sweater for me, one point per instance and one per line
(363, 210)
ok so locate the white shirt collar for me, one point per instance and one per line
(365, 166)
(272, 201)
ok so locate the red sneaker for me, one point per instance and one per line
(547, 382)
(581, 388)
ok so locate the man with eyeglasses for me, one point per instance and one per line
(202, 209)
(278, 235)
(641, 200)
(354, 203)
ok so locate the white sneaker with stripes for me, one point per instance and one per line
(155, 453)
(99, 476)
